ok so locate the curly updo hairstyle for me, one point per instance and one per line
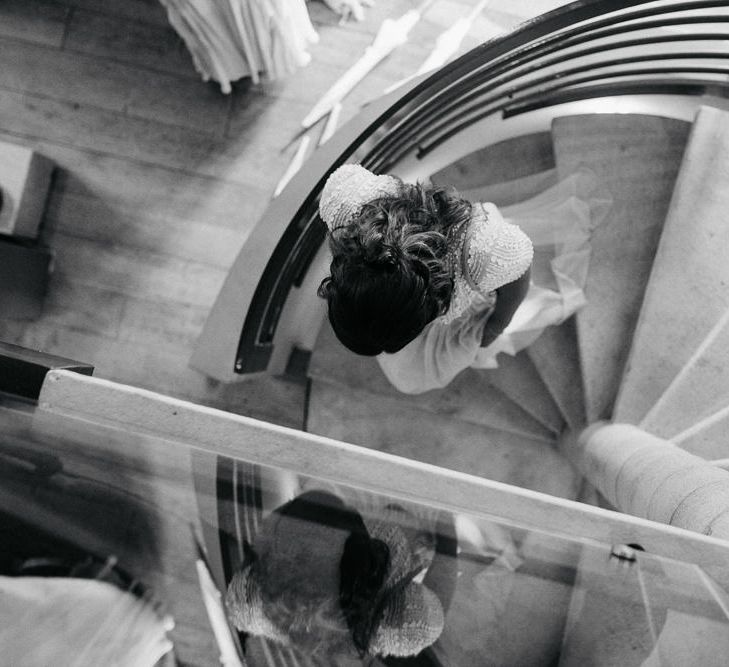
(389, 275)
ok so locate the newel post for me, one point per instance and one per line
(649, 477)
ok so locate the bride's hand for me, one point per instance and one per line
(349, 8)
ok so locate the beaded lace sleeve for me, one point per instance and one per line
(346, 191)
(496, 252)
(485, 254)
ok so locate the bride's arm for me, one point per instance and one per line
(498, 260)
(508, 298)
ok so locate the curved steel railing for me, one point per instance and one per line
(582, 51)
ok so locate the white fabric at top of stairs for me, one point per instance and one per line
(231, 39)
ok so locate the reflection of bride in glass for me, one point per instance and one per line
(326, 580)
(432, 284)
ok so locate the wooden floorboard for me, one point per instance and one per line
(88, 308)
(40, 22)
(148, 11)
(161, 322)
(108, 313)
(145, 188)
(94, 128)
(94, 219)
(135, 271)
(84, 79)
(152, 47)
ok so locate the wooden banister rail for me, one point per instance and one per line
(652, 478)
(71, 401)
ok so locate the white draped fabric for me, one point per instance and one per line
(231, 39)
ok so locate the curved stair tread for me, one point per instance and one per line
(518, 378)
(636, 158)
(708, 438)
(504, 617)
(699, 390)
(470, 397)
(505, 161)
(687, 293)
(556, 357)
(378, 422)
(514, 191)
(607, 623)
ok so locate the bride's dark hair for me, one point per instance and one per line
(389, 275)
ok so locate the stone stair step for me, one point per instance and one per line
(518, 378)
(555, 356)
(388, 424)
(505, 161)
(700, 389)
(708, 438)
(636, 158)
(687, 293)
(506, 617)
(470, 397)
(513, 191)
(608, 621)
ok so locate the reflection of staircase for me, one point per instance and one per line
(504, 424)
(651, 347)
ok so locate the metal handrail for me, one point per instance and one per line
(406, 135)
(558, 95)
(531, 50)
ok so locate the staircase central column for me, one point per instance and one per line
(649, 477)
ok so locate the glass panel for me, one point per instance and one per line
(492, 580)
(317, 571)
(608, 623)
(73, 497)
(688, 611)
(637, 609)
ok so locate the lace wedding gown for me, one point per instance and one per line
(491, 253)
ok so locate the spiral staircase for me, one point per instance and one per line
(647, 349)
(636, 92)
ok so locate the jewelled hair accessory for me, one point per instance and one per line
(348, 189)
